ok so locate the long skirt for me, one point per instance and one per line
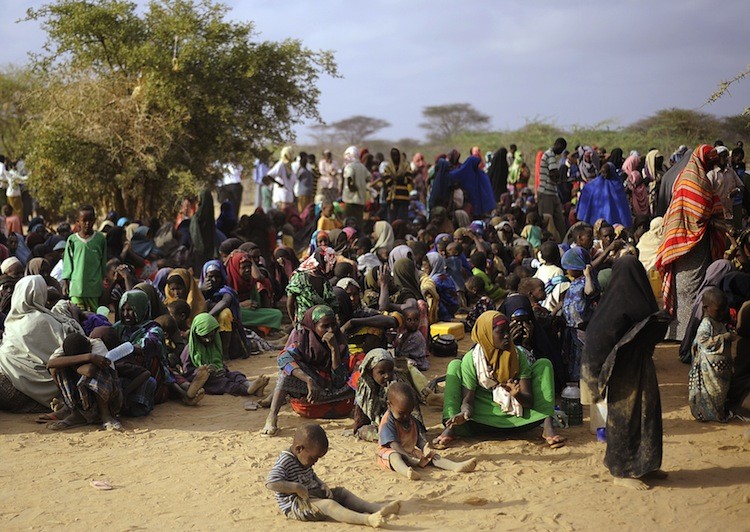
(79, 392)
(634, 427)
(488, 417)
(689, 272)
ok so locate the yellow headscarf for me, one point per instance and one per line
(287, 155)
(194, 297)
(503, 366)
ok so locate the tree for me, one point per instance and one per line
(355, 129)
(15, 84)
(136, 106)
(725, 85)
(445, 121)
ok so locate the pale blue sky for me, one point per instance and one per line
(578, 63)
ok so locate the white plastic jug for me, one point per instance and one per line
(597, 416)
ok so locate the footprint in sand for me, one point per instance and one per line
(475, 501)
(729, 448)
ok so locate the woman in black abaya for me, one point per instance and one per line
(617, 363)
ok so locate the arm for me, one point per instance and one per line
(77, 360)
(590, 288)
(290, 488)
(522, 391)
(380, 322)
(291, 307)
(67, 272)
(225, 302)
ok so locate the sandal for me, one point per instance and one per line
(554, 442)
(65, 424)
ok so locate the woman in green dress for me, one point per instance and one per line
(494, 389)
(309, 284)
(243, 277)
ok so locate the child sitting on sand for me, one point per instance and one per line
(711, 372)
(301, 495)
(402, 447)
(479, 301)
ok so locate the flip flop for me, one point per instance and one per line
(46, 418)
(251, 405)
(555, 442)
(113, 426)
(63, 424)
(101, 485)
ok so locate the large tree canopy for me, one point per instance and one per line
(136, 106)
(445, 121)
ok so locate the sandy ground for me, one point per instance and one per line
(204, 468)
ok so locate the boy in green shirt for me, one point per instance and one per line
(85, 262)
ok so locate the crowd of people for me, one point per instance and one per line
(567, 270)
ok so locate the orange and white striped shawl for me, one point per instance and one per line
(688, 218)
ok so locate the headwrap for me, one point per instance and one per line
(498, 172)
(194, 296)
(604, 198)
(437, 263)
(615, 157)
(287, 155)
(384, 235)
(160, 280)
(476, 184)
(576, 258)
(351, 154)
(405, 278)
(139, 302)
(399, 252)
(503, 366)
(649, 168)
(8, 264)
(201, 353)
(311, 349)
(156, 306)
(477, 227)
(461, 218)
(324, 259)
(688, 218)
(441, 183)
(370, 396)
(233, 277)
(648, 245)
(346, 281)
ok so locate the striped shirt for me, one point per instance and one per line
(289, 469)
(546, 184)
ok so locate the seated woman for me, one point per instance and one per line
(243, 276)
(313, 366)
(309, 285)
(32, 333)
(41, 266)
(222, 304)
(204, 349)
(446, 288)
(156, 306)
(494, 389)
(89, 385)
(377, 372)
(407, 293)
(182, 285)
(149, 347)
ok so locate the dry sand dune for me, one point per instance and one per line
(204, 468)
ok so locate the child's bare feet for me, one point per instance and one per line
(411, 474)
(197, 397)
(260, 392)
(392, 508)
(632, 483)
(376, 520)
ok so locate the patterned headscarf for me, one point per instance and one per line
(324, 259)
(371, 397)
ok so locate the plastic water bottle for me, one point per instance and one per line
(571, 403)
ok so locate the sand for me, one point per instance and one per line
(204, 468)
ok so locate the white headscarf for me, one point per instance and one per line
(32, 334)
(351, 154)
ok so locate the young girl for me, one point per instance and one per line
(578, 306)
(711, 373)
(402, 447)
(446, 288)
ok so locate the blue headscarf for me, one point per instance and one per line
(605, 198)
(441, 184)
(576, 258)
(476, 184)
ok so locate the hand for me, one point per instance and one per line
(326, 490)
(65, 285)
(302, 492)
(731, 336)
(459, 419)
(329, 338)
(587, 271)
(313, 392)
(346, 326)
(384, 276)
(513, 387)
(253, 305)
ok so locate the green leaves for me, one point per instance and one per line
(158, 94)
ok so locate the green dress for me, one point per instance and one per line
(488, 417)
(261, 316)
(306, 296)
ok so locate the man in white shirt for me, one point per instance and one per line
(230, 186)
(328, 183)
(354, 193)
(728, 186)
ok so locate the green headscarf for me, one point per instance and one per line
(200, 352)
(139, 301)
(321, 311)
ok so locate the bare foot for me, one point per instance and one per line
(411, 474)
(656, 475)
(376, 520)
(266, 401)
(467, 466)
(270, 429)
(113, 425)
(199, 379)
(73, 420)
(257, 385)
(632, 483)
(260, 392)
(197, 398)
(391, 508)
